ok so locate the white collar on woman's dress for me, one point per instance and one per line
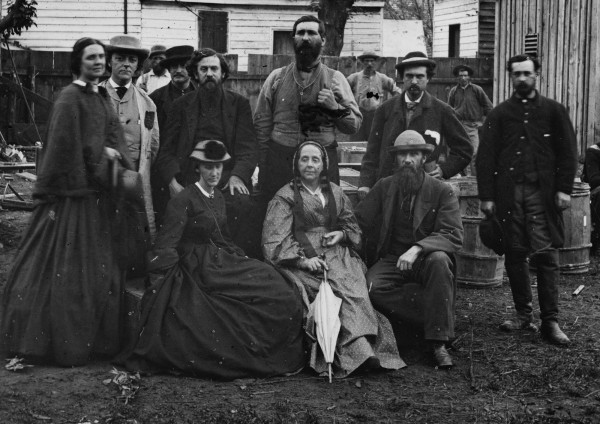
(318, 192)
(206, 193)
(84, 84)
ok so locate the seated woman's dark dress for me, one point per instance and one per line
(214, 312)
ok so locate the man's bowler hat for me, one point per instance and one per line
(210, 151)
(415, 59)
(177, 54)
(491, 234)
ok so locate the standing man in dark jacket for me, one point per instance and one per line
(525, 170)
(180, 84)
(211, 112)
(415, 110)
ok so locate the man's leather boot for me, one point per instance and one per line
(517, 270)
(548, 273)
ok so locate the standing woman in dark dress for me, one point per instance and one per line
(63, 296)
(211, 311)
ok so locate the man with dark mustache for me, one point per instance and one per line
(305, 100)
(419, 111)
(421, 230)
(213, 113)
(525, 170)
(181, 83)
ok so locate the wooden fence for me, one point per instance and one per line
(43, 74)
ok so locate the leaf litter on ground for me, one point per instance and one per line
(16, 364)
(127, 383)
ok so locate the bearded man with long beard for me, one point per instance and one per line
(305, 100)
(421, 230)
(214, 113)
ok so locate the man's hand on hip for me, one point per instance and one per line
(488, 207)
(562, 200)
(437, 173)
(362, 192)
(174, 187)
(406, 261)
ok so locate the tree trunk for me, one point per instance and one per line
(334, 13)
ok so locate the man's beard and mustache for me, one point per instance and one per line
(414, 91)
(524, 89)
(411, 177)
(307, 53)
(210, 84)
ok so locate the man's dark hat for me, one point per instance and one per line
(491, 234)
(459, 68)
(414, 59)
(177, 54)
(157, 49)
(369, 54)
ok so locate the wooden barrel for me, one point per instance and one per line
(476, 265)
(574, 256)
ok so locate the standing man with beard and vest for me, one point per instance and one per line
(135, 110)
(421, 230)
(371, 89)
(525, 171)
(419, 111)
(181, 83)
(471, 105)
(213, 113)
(305, 100)
(158, 76)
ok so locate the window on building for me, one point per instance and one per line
(283, 42)
(454, 41)
(212, 30)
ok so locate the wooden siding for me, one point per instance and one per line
(569, 51)
(451, 12)
(251, 28)
(61, 22)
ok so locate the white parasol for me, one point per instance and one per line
(326, 308)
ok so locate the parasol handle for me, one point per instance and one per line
(329, 366)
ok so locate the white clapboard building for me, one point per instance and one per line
(232, 26)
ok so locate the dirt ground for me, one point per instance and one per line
(498, 377)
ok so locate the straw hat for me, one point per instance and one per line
(410, 140)
(127, 44)
(415, 59)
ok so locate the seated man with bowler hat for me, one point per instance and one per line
(421, 230)
(419, 111)
(136, 112)
(213, 113)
